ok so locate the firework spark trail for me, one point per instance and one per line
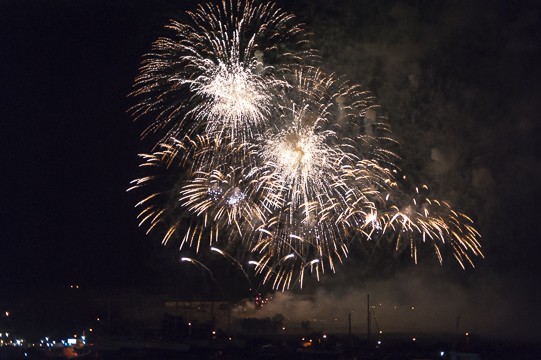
(261, 149)
(225, 60)
(237, 262)
(193, 261)
(412, 219)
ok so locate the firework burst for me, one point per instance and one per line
(210, 194)
(219, 71)
(316, 182)
(264, 152)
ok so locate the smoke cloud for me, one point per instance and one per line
(417, 301)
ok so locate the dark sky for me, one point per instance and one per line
(68, 145)
(69, 149)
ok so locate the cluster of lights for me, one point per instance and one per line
(45, 343)
(7, 340)
(307, 342)
(260, 301)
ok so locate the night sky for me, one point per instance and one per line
(459, 81)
